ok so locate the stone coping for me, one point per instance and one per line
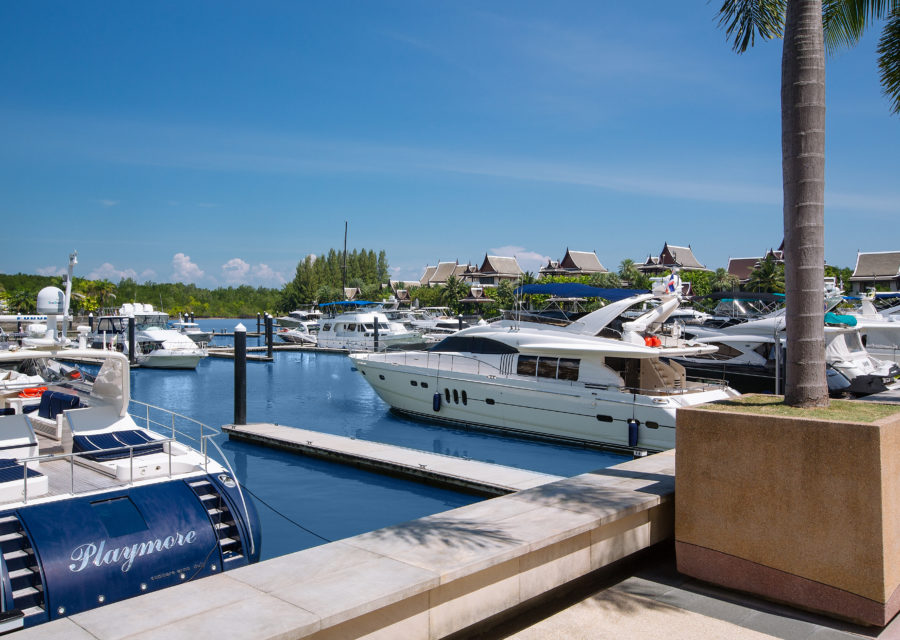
(407, 578)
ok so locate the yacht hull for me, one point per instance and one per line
(169, 360)
(574, 413)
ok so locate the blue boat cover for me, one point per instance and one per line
(884, 295)
(836, 318)
(11, 470)
(114, 445)
(577, 290)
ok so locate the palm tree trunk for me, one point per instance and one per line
(803, 166)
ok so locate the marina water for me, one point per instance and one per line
(304, 501)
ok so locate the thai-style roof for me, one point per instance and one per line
(426, 277)
(741, 268)
(651, 260)
(584, 261)
(476, 296)
(676, 256)
(443, 272)
(877, 265)
(350, 293)
(500, 265)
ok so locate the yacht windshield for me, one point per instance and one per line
(467, 344)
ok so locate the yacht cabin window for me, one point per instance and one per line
(543, 367)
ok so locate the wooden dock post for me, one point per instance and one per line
(269, 322)
(240, 374)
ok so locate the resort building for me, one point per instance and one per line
(438, 275)
(878, 269)
(574, 263)
(494, 270)
(670, 257)
(741, 268)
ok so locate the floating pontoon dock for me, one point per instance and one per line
(482, 478)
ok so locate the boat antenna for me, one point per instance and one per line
(73, 260)
(344, 262)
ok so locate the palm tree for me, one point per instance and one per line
(629, 271)
(767, 277)
(454, 289)
(724, 281)
(803, 156)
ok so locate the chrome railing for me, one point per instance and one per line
(151, 423)
(86, 455)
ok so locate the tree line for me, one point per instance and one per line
(321, 278)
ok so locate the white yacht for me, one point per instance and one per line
(101, 498)
(301, 334)
(880, 330)
(355, 326)
(193, 331)
(298, 317)
(157, 346)
(619, 389)
(747, 359)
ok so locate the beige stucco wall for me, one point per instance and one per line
(816, 499)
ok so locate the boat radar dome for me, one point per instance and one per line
(51, 301)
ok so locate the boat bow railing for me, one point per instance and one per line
(205, 439)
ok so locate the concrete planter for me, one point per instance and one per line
(798, 510)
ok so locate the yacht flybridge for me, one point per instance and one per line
(101, 499)
(604, 380)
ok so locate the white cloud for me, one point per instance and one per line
(51, 271)
(264, 275)
(108, 203)
(184, 270)
(528, 260)
(237, 271)
(107, 271)
(148, 275)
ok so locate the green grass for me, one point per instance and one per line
(768, 405)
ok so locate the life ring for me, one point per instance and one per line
(32, 392)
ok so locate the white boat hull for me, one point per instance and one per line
(162, 359)
(571, 412)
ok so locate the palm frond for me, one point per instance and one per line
(889, 58)
(845, 20)
(743, 20)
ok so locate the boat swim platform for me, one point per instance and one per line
(461, 474)
(442, 575)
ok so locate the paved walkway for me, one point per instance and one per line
(647, 599)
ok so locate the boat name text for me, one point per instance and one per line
(98, 555)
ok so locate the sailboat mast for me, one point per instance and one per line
(344, 262)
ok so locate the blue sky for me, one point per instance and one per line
(221, 142)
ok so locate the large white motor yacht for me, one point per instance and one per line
(618, 389)
(157, 346)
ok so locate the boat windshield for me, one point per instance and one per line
(472, 344)
(151, 322)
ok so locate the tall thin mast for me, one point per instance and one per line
(344, 265)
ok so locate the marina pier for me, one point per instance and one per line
(481, 478)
